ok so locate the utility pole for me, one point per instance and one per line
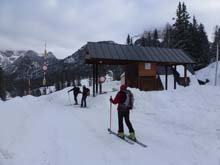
(217, 54)
(45, 65)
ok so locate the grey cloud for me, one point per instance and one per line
(67, 25)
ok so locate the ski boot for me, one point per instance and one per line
(132, 136)
(121, 135)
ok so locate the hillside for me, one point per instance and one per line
(180, 127)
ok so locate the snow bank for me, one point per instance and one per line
(209, 73)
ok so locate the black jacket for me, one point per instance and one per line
(75, 90)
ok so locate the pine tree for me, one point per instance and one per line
(181, 28)
(194, 39)
(204, 46)
(190, 37)
(198, 46)
(143, 41)
(2, 85)
(129, 40)
(214, 44)
(149, 39)
(155, 41)
(168, 37)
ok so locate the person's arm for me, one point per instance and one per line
(116, 99)
(70, 90)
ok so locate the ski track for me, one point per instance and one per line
(46, 141)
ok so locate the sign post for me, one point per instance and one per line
(216, 68)
(101, 80)
(45, 67)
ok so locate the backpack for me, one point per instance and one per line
(88, 91)
(127, 100)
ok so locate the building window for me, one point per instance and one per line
(147, 66)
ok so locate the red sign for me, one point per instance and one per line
(45, 67)
(102, 79)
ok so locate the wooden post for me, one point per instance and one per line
(100, 88)
(166, 77)
(185, 75)
(174, 76)
(138, 76)
(100, 84)
(96, 78)
(93, 79)
(125, 71)
(155, 82)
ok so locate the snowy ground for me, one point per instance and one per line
(209, 73)
(180, 127)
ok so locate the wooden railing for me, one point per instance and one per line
(180, 80)
(159, 84)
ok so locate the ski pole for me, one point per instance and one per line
(110, 114)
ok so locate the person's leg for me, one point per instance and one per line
(82, 101)
(128, 122)
(85, 101)
(75, 99)
(129, 125)
(120, 124)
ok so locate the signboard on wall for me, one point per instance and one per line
(147, 66)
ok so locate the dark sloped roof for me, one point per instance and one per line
(116, 52)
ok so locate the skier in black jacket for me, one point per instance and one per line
(76, 91)
(85, 93)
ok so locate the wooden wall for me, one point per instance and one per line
(147, 76)
(147, 72)
(140, 76)
(131, 75)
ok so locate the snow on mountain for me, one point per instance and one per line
(28, 64)
(7, 57)
(208, 73)
(76, 58)
(70, 60)
(25, 64)
(180, 127)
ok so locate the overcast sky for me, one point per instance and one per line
(67, 25)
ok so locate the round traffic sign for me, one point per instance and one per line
(102, 79)
(45, 67)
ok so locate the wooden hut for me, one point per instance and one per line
(141, 63)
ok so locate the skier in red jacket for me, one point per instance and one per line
(123, 112)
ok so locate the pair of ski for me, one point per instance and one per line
(127, 139)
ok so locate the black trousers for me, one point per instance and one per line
(75, 99)
(83, 101)
(124, 114)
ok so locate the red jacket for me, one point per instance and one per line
(119, 96)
